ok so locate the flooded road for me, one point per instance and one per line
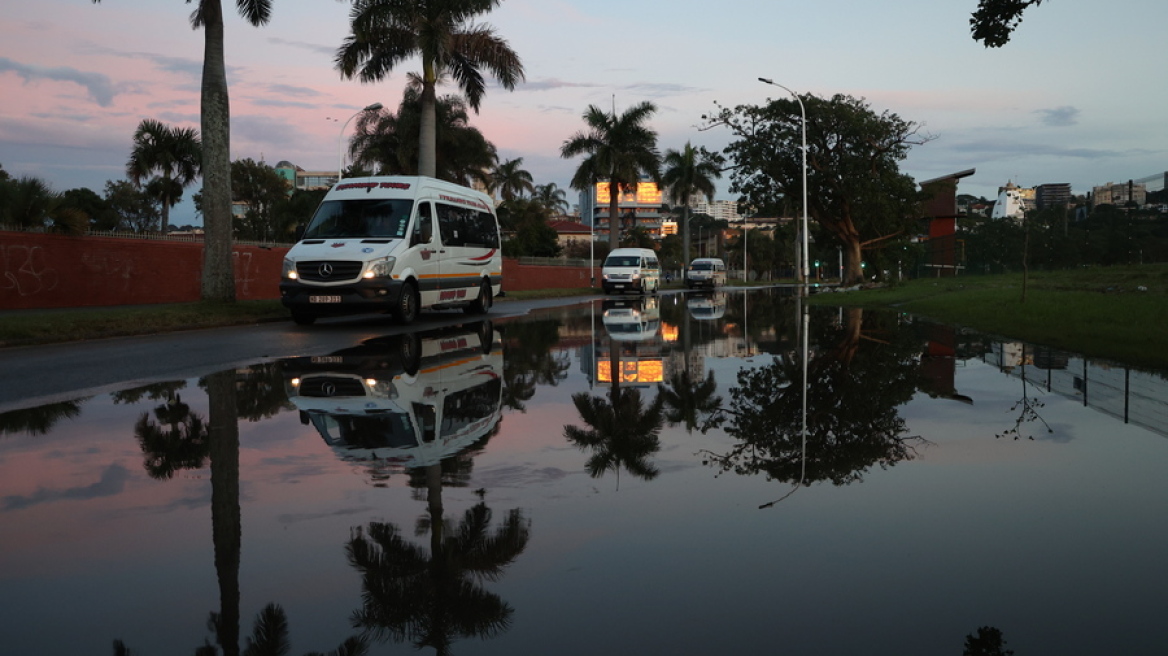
(690, 474)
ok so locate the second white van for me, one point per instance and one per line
(706, 272)
(631, 269)
(396, 244)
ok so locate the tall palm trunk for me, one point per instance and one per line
(428, 139)
(218, 273)
(685, 258)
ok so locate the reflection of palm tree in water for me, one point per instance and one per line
(432, 599)
(623, 430)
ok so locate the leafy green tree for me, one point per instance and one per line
(552, 197)
(995, 20)
(618, 151)
(97, 212)
(262, 189)
(136, 210)
(856, 191)
(385, 33)
(528, 221)
(173, 153)
(175, 438)
(688, 172)
(387, 142)
(218, 267)
(296, 209)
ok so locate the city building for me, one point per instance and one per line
(721, 210)
(1056, 194)
(1120, 194)
(640, 208)
(1013, 201)
(303, 180)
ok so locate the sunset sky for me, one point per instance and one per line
(1078, 96)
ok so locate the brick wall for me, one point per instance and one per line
(50, 271)
(53, 271)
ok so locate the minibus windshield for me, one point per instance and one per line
(366, 217)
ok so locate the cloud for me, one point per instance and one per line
(100, 88)
(112, 482)
(1059, 117)
(331, 51)
(1016, 148)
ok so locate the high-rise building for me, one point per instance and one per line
(640, 208)
(1053, 195)
(1120, 193)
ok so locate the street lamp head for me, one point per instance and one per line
(373, 108)
(765, 81)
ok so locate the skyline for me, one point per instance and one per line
(1074, 97)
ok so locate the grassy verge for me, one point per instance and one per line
(1118, 313)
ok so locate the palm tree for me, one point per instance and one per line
(388, 143)
(688, 172)
(218, 268)
(552, 197)
(385, 33)
(175, 154)
(510, 181)
(619, 149)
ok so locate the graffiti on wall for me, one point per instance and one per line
(26, 270)
(110, 267)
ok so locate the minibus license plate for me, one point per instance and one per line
(324, 299)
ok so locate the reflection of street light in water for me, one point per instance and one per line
(803, 456)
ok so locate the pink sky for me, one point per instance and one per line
(1071, 99)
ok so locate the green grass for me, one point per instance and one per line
(1100, 312)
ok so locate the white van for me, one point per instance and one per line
(396, 244)
(706, 272)
(634, 269)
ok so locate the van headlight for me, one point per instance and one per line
(289, 271)
(379, 268)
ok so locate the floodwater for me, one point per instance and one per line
(695, 474)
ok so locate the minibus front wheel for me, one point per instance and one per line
(406, 310)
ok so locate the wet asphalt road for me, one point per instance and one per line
(36, 375)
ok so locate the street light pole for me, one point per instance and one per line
(341, 139)
(803, 115)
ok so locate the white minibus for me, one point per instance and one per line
(706, 272)
(635, 269)
(396, 244)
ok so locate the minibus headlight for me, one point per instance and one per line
(380, 268)
(290, 270)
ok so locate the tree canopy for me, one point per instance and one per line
(994, 21)
(855, 190)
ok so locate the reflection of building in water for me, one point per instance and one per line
(1132, 396)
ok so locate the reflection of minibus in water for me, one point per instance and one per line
(396, 244)
(704, 307)
(408, 400)
(632, 320)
